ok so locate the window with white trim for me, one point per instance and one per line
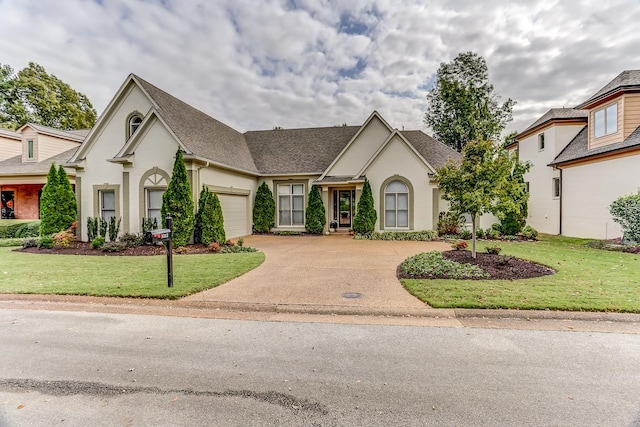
(134, 124)
(290, 204)
(396, 205)
(556, 187)
(541, 141)
(606, 120)
(107, 204)
(154, 203)
(30, 149)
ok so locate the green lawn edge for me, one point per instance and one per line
(586, 279)
(119, 276)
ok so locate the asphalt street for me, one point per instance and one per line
(102, 369)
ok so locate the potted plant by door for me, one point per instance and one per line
(333, 225)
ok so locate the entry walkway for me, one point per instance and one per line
(335, 271)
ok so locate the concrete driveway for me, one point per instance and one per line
(333, 270)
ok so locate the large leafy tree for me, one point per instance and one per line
(482, 181)
(462, 105)
(32, 95)
(177, 201)
(264, 210)
(315, 216)
(365, 219)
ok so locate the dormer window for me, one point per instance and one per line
(134, 123)
(606, 120)
(30, 149)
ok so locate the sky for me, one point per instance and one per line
(256, 64)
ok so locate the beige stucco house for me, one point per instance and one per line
(124, 165)
(25, 158)
(583, 159)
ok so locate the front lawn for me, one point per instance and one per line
(586, 279)
(119, 276)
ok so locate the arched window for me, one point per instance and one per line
(153, 184)
(134, 123)
(396, 205)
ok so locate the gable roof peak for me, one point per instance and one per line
(626, 80)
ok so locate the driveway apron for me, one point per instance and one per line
(333, 270)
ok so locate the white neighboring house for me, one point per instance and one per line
(583, 159)
(124, 166)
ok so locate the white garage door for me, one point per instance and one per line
(234, 210)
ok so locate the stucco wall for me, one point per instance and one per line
(544, 209)
(587, 196)
(362, 149)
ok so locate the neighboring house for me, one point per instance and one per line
(124, 166)
(23, 173)
(583, 159)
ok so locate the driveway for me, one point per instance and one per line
(333, 270)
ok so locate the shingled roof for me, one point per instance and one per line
(73, 135)
(578, 148)
(433, 151)
(628, 79)
(200, 133)
(556, 114)
(15, 165)
(6, 133)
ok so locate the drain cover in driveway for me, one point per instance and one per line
(351, 295)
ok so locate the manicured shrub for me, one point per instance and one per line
(30, 229)
(315, 216)
(45, 242)
(114, 228)
(92, 228)
(67, 205)
(131, 240)
(432, 264)
(197, 227)
(492, 233)
(493, 249)
(466, 234)
(366, 216)
(480, 233)
(512, 223)
(49, 218)
(209, 225)
(103, 226)
(149, 224)
(30, 243)
(217, 232)
(264, 210)
(113, 247)
(424, 235)
(449, 223)
(178, 202)
(97, 242)
(226, 249)
(63, 239)
(625, 211)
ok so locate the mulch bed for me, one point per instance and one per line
(84, 248)
(499, 267)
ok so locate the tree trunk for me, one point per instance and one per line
(473, 236)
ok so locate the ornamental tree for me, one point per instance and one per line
(625, 211)
(366, 216)
(178, 202)
(264, 210)
(481, 182)
(315, 216)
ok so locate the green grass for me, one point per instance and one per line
(586, 279)
(119, 276)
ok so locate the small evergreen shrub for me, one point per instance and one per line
(495, 250)
(114, 228)
(113, 247)
(217, 225)
(45, 242)
(226, 249)
(264, 210)
(315, 216)
(97, 242)
(131, 240)
(8, 243)
(149, 224)
(30, 229)
(511, 223)
(287, 233)
(529, 233)
(449, 223)
(625, 211)
(103, 227)
(240, 242)
(424, 235)
(480, 233)
(10, 231)
(177, 201)
(492, 233)
(432, 264)
(467, 234)
(366, 216)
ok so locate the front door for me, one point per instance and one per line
(344, 204)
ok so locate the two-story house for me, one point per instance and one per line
(25, 158)
(583, 159)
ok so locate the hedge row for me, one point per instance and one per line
(424, 235)
(20, 230)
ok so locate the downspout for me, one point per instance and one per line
(560, 213)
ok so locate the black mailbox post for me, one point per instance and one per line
(163, 235)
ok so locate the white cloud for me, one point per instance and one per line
(296, 63)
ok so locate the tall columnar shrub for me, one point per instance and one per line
(197, 228)
(625, 211)
(114, 228)
(315, 216)
(365, 220)
(67, 205)
(49, 214)
(217, 229)
(264, 210)
(92, 228)
(178, 202)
